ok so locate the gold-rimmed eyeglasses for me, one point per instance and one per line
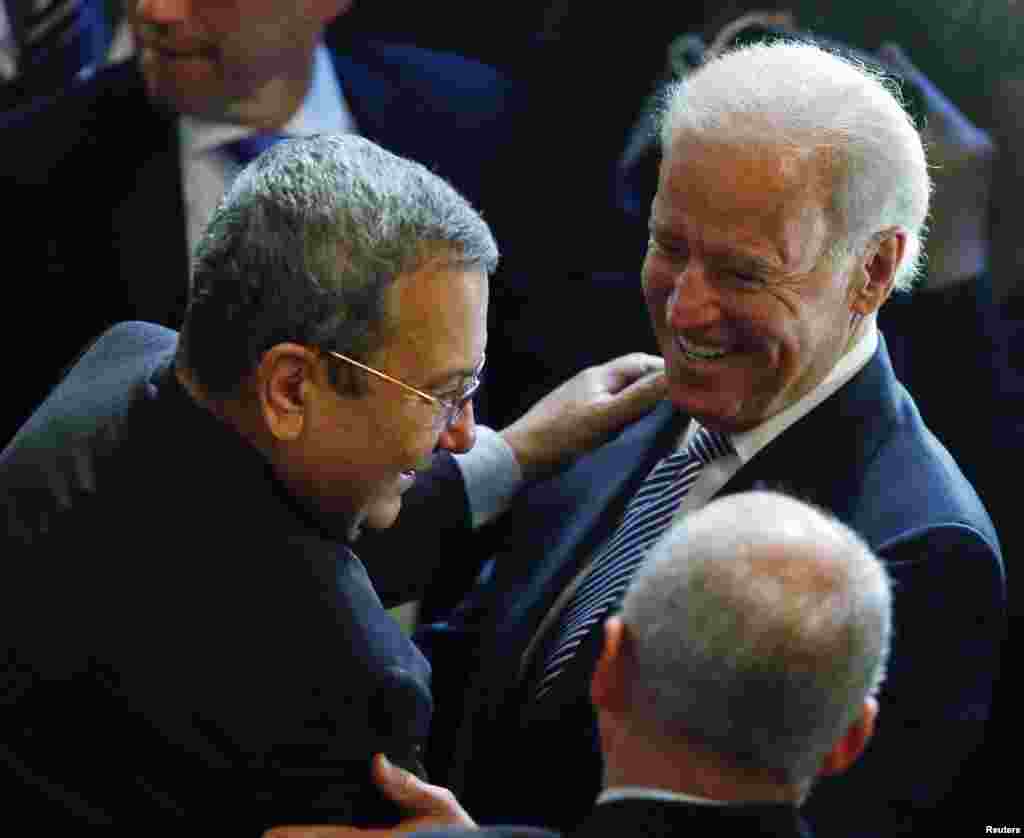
(449, 408)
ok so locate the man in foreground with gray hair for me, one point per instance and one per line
(188, 639)
(744, 663)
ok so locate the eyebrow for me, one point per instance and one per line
(740, 260)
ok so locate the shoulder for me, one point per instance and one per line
(442, 82)
(109, 374)
(82, 117)
(913, 487)
(876, 464)
(55, 460)
(420, 64)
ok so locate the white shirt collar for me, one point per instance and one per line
(323, 110)
(748, 443)
(644, 793)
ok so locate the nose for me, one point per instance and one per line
(460, 436)
(693, 301)
(162, 11)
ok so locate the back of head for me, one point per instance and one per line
(758, 627)
(304, 245)
(842, 115)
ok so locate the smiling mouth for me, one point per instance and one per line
(699, 352)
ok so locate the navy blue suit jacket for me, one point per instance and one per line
(93, 177)
(183, 645)
(864, 454)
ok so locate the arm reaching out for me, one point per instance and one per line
(425, 805)
(585, 411)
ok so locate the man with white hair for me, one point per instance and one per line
(743, 664)
(791, 202)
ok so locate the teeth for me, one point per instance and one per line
(696, 352)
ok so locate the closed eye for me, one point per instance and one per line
(674, 251)
(744, 280)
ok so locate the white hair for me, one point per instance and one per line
(759, 627)
(801, 97)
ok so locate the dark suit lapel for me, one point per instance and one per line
(824, 454)
(572, 515)
(566, 518)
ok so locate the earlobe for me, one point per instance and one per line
(607, 686)
(284, 380)
(849, 748)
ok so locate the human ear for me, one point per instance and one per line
(285, 383)
(876, 270)
(852, 744)
(609, 689)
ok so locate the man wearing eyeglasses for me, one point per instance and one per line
(188, 639)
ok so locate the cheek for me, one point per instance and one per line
(657, 287)
(407, 441)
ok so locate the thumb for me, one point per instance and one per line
(625, 370)
(632, 402)
(415, 797)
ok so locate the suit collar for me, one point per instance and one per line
(862, 413)
(655, 818)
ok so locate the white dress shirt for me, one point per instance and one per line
(208, 170)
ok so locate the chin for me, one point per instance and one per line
(382, 514)
(715, 417)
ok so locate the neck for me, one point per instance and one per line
(679, 766)
(859, 326)
(276, 101)
(230, 411)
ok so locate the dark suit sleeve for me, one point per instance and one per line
(948, 625)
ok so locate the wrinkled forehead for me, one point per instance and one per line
(773, 200)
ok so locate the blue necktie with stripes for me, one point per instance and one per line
(56, 38)
(647, 516)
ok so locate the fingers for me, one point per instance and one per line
(584, 412)
(415, 797)
(623, 371)
(423, 806)
(635, 400)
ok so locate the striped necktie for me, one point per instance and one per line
(647, 516)
(56, 38)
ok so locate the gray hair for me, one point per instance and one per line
(759, 627)
(821, 106)
(304, 245)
